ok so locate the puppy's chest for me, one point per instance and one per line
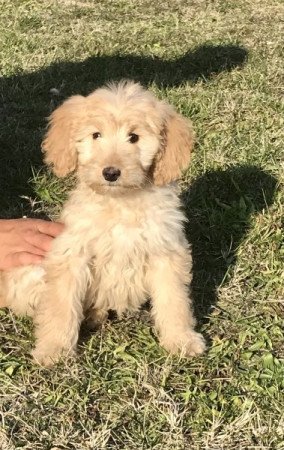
(121, 239)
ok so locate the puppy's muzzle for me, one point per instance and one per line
(111, 173)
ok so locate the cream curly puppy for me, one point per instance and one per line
(124, 240)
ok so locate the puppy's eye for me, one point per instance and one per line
(133, 138)
(96, 135)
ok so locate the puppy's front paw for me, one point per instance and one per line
(188, 343)
(47, 357)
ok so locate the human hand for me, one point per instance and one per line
(25, 241)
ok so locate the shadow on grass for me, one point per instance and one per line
(219, 206)
(26, 101)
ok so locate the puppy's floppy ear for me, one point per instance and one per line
(174, 154)
(59, 144)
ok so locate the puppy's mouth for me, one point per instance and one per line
(122, 184)
(114, 186)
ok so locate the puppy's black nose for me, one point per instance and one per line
(111, 173)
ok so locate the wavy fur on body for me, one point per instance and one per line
(124, 239)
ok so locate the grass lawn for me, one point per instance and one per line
(221, 64)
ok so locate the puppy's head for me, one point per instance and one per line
(118, 138)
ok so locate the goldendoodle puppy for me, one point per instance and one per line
(124, 240)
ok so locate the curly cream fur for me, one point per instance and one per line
(123, 240)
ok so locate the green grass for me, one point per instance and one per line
(221, 64)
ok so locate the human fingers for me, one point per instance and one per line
(50, 228)
(40, 241)
(22, 259)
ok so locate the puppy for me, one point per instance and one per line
(124, 240)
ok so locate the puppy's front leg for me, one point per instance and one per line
(169, 277)
(60, 312)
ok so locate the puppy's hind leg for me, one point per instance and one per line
(95, 318)
(168, 279)
(3, 303)
(21, 289)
